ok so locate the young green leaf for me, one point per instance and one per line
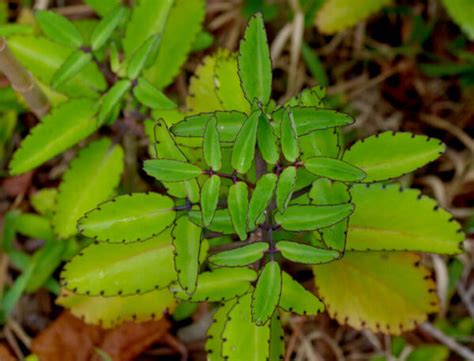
(219, 285)
(277, 339)
(241, 256)
(255, 66)
(111, 99)
(64, 127)
(187, 243)
(176, 43)
(267, 141)
(71, 66)
(309, 119)
(334, 169)
(166, 148)
(112, 311)
(308, 218)
(117, 265)
(221, 221)
(210, 198)
(151, 97)
(44, 201)
(390, 155)
(243, 151)
(238, 204)
(229, 124)
(214, 342)
(261, 196)
(211, 145)
(400, 286)
(295, 298)
(303, 253)
(33, 226)
(107, 25)
(91, 179)
(129, 218)
(143, 57)
(289, 137)
(285, 187)
(242, 338)
(266, 294)
(59, 29)
(393, 218)
(171, 170)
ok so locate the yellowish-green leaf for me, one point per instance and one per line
(64, 127)
(143, 57)
(238, 205)
(129, 218)
(214, 341)
(151, 97)
(73, 64)
(385, 292)
(210, 198)
(111, 311)
(211, 145)
(221, 221)
(106, 26)
(289, 137)
(58, 28)
(267, 140)
(243, 151)
(295, 298)
(461, 11)
(91, 179)
(277, 339)
(266, 294)
(240, 256)
(303, 253)
(285, 187)
(334, 169)
(393, 218)
(108, 269)
(261, 196)
(168, 170)
(112, 98)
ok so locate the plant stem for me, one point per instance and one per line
(22, 81)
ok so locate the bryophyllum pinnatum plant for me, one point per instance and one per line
(252, 186)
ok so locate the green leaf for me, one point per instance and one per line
(285, 187)
(241, 256)
(64, 127)
(221, 221)
(111, 99)
(393, 218)
(108, 269)
(59, 29)
(148, 18)
(336, 15)
(334, 169)
(211, 146)
(166, 148)
(210, 198)
(243, 151)
(71, 67)
(238, 204)
(267, 142)
(43, 58)
(295, 298)
(277, 339)
(129, 218)
(151, 97)
(261, 197)
(255, 66)
(187, 241)
(144, 56)
(229, 124)
(107, 25)
(325, 192)
(102, 7)
(390, 155)
(461, 11)
(214, 342)
(307, 218)
(176, 43)
(266, 294)
(44, 201)
(385, 292)
(429, 352)
(91, 179)
(323, 142)
(309, 119)
(219, 285)
(303, 253)
(111, 311)
(171, 170)
(289, 137)
(227, 82)
(242, 338)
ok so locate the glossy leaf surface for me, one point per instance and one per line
(129, 218)
(171, 170)
(334, 169)
(240, 256)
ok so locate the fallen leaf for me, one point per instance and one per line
(70, 339)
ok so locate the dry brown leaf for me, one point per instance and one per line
(70, 339)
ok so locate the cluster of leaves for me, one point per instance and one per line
(252, 185)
